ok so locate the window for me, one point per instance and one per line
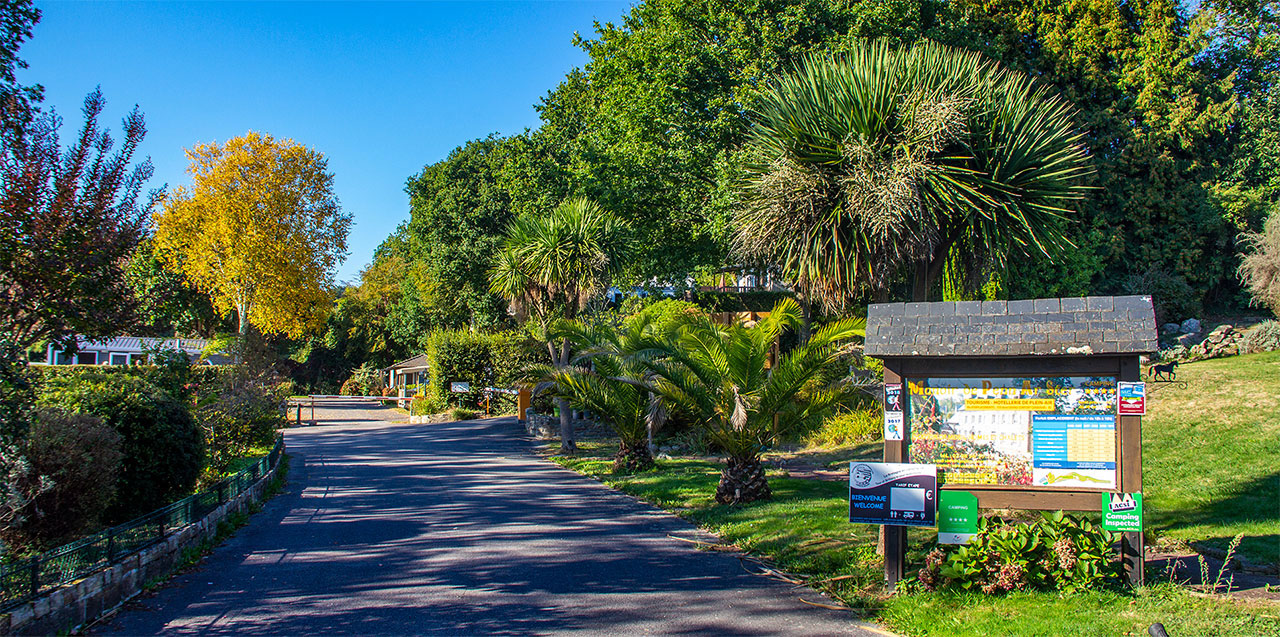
(87, 358)
(119, 359)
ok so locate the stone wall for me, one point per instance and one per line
(72, 606)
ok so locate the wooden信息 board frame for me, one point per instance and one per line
(1124, 367)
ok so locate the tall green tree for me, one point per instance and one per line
(887, 158)
(459, 208)
(1159, 118)
(551, 267)
(650, 125)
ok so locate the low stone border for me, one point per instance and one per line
(70, 607)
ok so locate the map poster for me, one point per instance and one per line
(1033, 431)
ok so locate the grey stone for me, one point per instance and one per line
(1102, 303)
(1190, 326)
(916, 309)
(1022, 307)
(1047, 305)
(994, 307)
(1170, 328)
(1074, 304)
(968, 307)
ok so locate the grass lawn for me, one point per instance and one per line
(1211, 466)
(1211, 456)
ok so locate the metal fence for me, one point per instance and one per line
(26, 579)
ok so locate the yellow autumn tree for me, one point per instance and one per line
(259, 230)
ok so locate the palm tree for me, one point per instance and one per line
(721, 374)
(608, 378)
(889, 158)
(551, 267)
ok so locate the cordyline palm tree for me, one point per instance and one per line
(888, 158)
(720, 374)
(550, 267)
(608, 378)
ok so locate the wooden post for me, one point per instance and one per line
(1132, 545)
(523, 401)
(313, 410)
(893, 539)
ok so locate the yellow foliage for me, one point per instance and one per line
(259, 230)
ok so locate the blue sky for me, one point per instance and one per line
(382, 89)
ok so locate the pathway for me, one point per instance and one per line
(458, 528)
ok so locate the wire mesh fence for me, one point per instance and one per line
(26, 579)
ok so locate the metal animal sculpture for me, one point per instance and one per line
(1165, 370)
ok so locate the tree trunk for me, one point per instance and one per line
(920, 282)
(743, 480)
(568, 445)
(632, 458)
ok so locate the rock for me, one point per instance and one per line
(1190, 326)
(1188, 340)
(1170, 328)
(1224, 340)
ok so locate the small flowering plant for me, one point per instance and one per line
(1058, 552)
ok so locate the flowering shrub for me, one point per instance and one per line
(1058, 552)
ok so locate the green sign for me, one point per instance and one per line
(957, 516)
(1122, 512)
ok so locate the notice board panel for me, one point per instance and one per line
(1045, 431)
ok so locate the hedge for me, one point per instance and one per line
(757, 301)
(166, 378)
(482, 360)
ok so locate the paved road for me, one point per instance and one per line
(457, 528)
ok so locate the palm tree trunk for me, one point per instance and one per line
(632, 457)
(568, 445)
(743, 480)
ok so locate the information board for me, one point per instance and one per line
(893, 494)
(1041, 431)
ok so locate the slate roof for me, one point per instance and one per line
(416, 362)
(1092, 325)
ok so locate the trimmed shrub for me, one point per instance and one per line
(847, 428)
(482, 360)
(81, 455)
(181, 384)
(1263, 337)
(162, 444)
(425, 405)
(462, 413)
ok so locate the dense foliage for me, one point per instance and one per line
(259, 230)
(74, 463)
(481, 360)
(162, 443)
(1057, 552)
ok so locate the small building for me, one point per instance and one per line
(411, 371)
(129, 350)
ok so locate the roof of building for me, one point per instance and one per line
(1091, 325)
(140, 343)
(416, 362)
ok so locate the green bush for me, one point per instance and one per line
(365, 380)
(847, 428)
(426, 405)
(462, 413)
(181, 384)
(162, 444)
(1263, 337)
(482, 360)
(665, 312)
(1057, 552)
(756, 301)
(81, 455)
(239, 412)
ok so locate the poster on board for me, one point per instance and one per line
(893, 494)
(893, 420)
(1024, 431)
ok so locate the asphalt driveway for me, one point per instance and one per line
(458, 528)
